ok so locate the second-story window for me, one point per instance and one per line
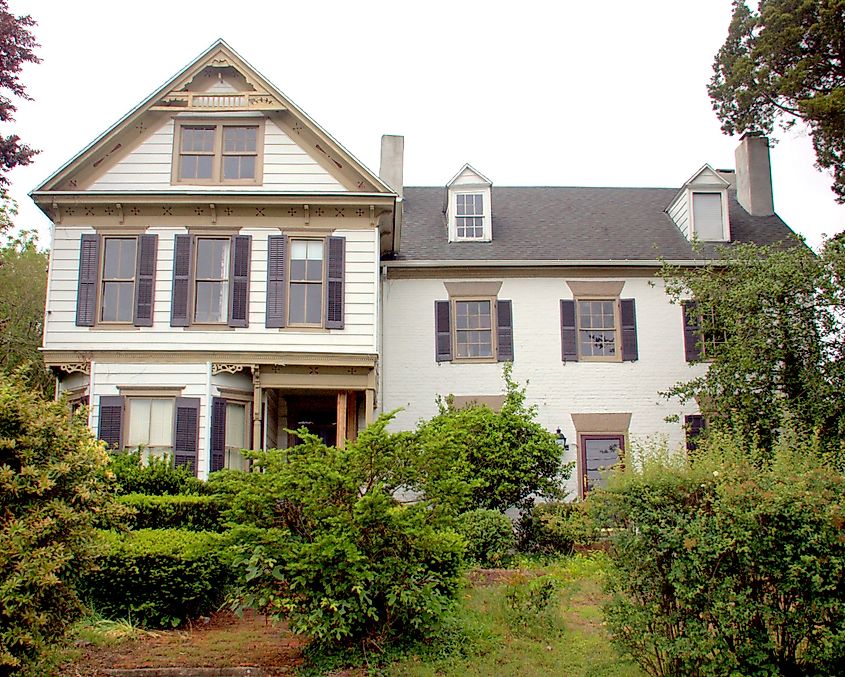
(597, 328)
(218, 153)
(473, 329)
(305, 305)
(211, 293)
(469, 215)
(118, 279)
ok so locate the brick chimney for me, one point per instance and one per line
(754, 175)
(392, 158)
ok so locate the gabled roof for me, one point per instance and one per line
(263, 96)
(569, 224)
(470, 169)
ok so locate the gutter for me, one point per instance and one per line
(561, 263)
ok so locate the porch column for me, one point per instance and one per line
(341, 419)
(352, 415)
(369, 399)
(256, 409)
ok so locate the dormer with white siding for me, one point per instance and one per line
(700, 209)
(469, 206)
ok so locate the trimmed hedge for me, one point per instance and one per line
(158, 577)
(155, 477)
(489, 537)
(196, 513)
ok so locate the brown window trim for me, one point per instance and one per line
(310, 326)
(583, 489)
(617, 321)
(453, 301)
(217, 164)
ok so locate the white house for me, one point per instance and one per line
(223, 269)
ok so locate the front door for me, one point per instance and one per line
(598, 454)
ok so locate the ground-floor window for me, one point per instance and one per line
(236, 435)
(599, 453)
(150, 426)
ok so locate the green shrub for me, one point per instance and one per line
(555, 528)
(346, 562)
(52, 490)
(196, 513)
(473, 457)
(155, 478)
(489, 536)
(728, 567)
(530, 604)
(158, 577)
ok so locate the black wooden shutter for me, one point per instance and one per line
(110, 428)
(239, 282)
(568, 332)
(179, 311)
(334, 277)
(692, 331)
(186, 432)
(443, 331)
(504, 331)
(628, 312)
(276, 252)
(218, 432)
(693, 426)
(145, 272)
(89, 268)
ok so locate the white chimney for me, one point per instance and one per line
(392, 157)
(754, 175)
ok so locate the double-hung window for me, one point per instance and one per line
(230, 431)
(116, 282)
(305, 300)
(118, 279)
(150, 425)
(599, 330)
(305, 282)
(469, 215)
(474, 329)
(211, 280)
(224, 152)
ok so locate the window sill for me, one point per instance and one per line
(474, 360)
(114, 327)
(211, 327)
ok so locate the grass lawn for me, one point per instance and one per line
(569, 638)
(488, 636)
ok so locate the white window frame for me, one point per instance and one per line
(723, 198)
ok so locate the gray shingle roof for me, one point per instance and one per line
(542, 223)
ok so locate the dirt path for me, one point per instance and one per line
(225, 641)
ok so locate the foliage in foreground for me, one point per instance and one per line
(157, 577)
(52, 491)
(473, 457)
(195, 513)
(555, 528)
(783, 63)
(724, 566)
(489, 537)
(773, 334)
(343, 561)
(155, 477)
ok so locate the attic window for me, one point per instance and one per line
(215, 153)
(707, 217)
(469, 215)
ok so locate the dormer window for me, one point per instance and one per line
(707, 217)
(469, 217)
(469, 207)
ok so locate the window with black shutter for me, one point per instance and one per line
(474, 329)
(186, 433)
(599, 330)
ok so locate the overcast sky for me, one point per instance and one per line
(608, 93)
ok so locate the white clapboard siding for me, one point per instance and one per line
(358, 336)
(107, 379)
(558, 389)
(679, 213)
(287, 167)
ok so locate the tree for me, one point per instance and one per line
(23, 288)
(785, 63)
(17, 45)
(772, 330)
(52, 492)
(473, 457)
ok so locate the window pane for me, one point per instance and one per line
(315, 250)
(212, 302)
(297, 269)
(299, 249)
(118, 301)
(161, 423)
(139, 422)
(314, 306)
(239, 139)
(235, 425)
(314, 271)
(188, 167)
(707, 216)
(247, 168)
(204, 164)
(198, 139)
(297, 303)
(119, 258)
(212, 259)
(231, 167)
